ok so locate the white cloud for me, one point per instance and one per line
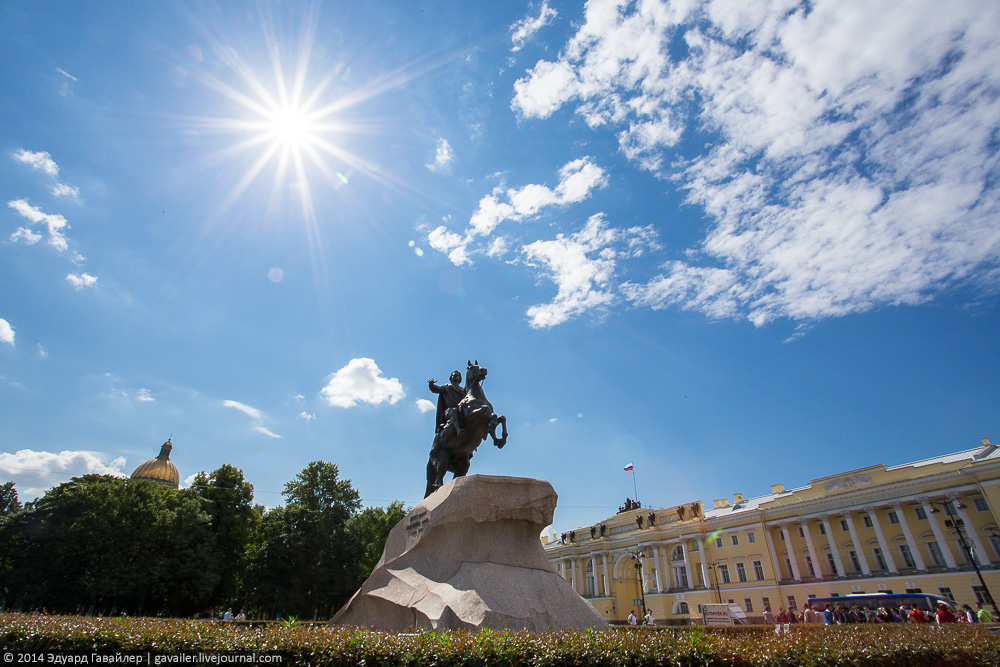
(6, 332)
(843, 151)
(34, 472)
(26, 235)
(79, 281)
(55, 224)
(577, 180)
(425, 406)
(443, 156)
(253, 413)
(582, 265)
(64, 190)
(306, 416)
(361, 380)
(40, 160)
(524, 29)
(42, 353)
(261, 429)
(143, 395)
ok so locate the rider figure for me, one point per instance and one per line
(449, 396)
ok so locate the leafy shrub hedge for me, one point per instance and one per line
(866, 645)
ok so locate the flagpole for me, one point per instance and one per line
(634, 488)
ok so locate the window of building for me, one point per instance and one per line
(995, 543)
(758, 570)
(920, 513)
(781, 535)
(765, 603)
(855, 563)
(980, 504)
(751, 538)
(681, 576)
(677, 553)
(982, 596)
(843, 526)
(879, 558)
(832, 564)
(788, 566)
(802, 532)
(945, 593)
(893, 518)
(937, 558)
(809, 565)
(791, 602)
(718, 543)
(867, 520)
(904, 551)
(741, 572)
(724, 574)
(747, 605)
(735, 539)
(822, 529)
(731, 601)
(681, 608)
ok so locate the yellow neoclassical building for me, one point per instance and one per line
(907, 528)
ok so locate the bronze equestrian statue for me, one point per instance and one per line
(464, 418)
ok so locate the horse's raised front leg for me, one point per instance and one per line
(502, 422)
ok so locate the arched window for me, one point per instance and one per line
(681, 608)
(677, 553)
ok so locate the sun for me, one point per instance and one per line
(291, 128)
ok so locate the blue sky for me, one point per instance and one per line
(734, 245)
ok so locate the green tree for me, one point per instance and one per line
(303, 563)
(366, 533)
(114, 544)
(9, 502)
(229, 503)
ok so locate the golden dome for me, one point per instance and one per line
(160, 469)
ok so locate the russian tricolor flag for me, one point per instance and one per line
(629, 467)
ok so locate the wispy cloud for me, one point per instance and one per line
(361, 381)
(851, 155)
(6, 332)
(583, 266)
(34, 472)
(253, 413)
(306, 416)
(81, 280)
(54, 224)
(443, 156)
(524, 29)
(64, 190)
(39, 160)
(577, 180)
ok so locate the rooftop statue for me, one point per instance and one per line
(464, 418)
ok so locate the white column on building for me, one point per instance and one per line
(668, 575)
(783, 527)
(812, 548)
(942, 539)
(702, 554)
(564, 562)
(655, 555)
(837, 561)
(859, 548)
(970, 532)
(593, 569)
(918, 560)
(890, 560)
(576, 575)
(607, 579)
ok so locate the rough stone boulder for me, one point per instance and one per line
(468, 556)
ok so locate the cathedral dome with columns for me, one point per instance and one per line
(160, 469)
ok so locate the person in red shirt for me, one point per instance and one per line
(917, 616)
(945, 615)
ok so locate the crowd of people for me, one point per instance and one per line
(839, 614)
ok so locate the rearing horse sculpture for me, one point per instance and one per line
(469, 424)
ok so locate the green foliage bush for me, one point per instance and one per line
(816, 646)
